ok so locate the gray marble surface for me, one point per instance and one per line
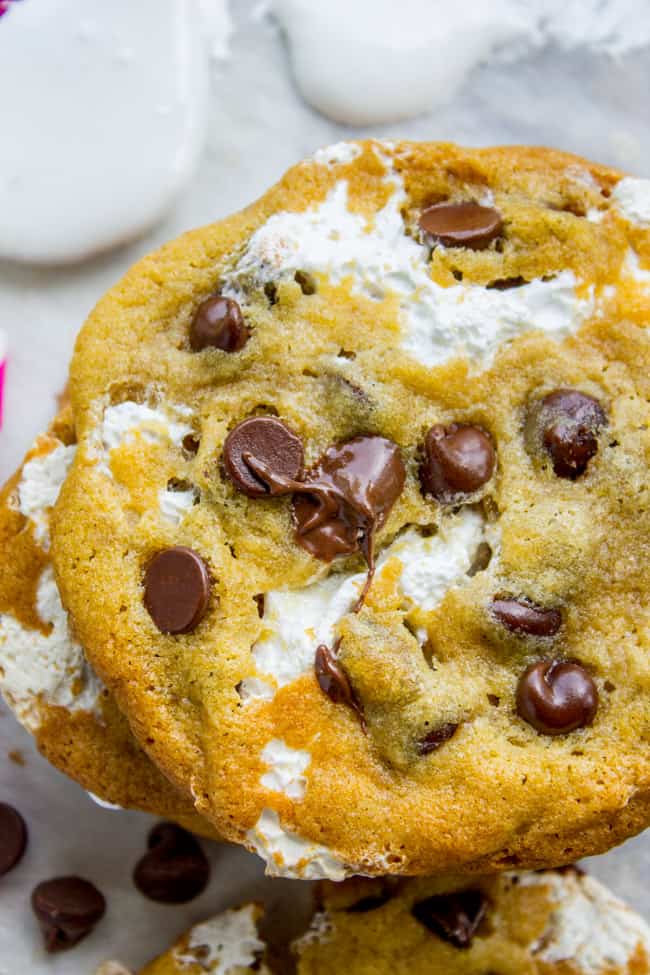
(258, 127)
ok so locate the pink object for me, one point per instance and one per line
(3, 364)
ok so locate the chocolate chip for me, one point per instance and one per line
(524, 617)
(462, 224)
(274, 449)
(458, 460)
(306, 282)
(218, 324)
(556, 697)
(332, 679)
(434, 739)
(175, 870)
(191, 444)
(566, 424)
(348, 496)
(453, 917)
(67, 909)
(13, 838)
(506, 284)
(176, 589)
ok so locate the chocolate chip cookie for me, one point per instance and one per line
(549, 923)
(44, 675)
(358, 526)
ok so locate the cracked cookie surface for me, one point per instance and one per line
(342, 389)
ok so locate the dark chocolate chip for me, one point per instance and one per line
(332, 679)
(306, 282)
(566, 424)
(348, 496)
(191, 444)
(458, 460)
(453, 917)
(267, 442)
(67, 909)
(175, 870)
(524, 617)
(218, 324)
(434, 739)
(176, 589)
(556, 697)
(13, 838)
(466, 224)
(506, 284)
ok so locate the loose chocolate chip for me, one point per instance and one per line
(524, 617)
(434, 739)
(218, 324)
(67, 909)
(453, 917)
(348, 496)
(566, 424)
(556, 697)
(458, 460)
(175, 870)
(176, 589)
(268, 443)
(462, 224)
(13, 838)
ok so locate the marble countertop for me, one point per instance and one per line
(258, 126)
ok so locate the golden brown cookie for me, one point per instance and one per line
(416, 358)
(550, 923)
(44, 675)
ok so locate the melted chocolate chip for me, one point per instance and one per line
(260, 455)
(13, 838)
(333, 680)
(557, 697)
(462, 224)
(176, 589)
(434, 739)
(453, 917)
(566, 424)
(67, 909)
(175, 870)
(526, 618)
(348, 496)
(458, 460)
(218, 324)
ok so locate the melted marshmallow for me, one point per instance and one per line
(124, 421)
(104, 126)
(632, 198)
(297, 621)
(51, 666)
(589, 926)
(39, 487)
(287, 768)
(437, 323)
(376, 61)
(288, 855)
(226, 942)
(174, 505)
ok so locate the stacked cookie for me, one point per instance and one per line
(339, 550)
